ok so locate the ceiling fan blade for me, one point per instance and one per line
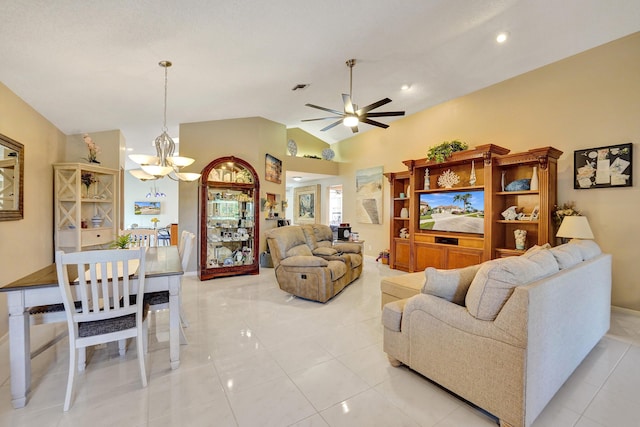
(370, 107)
(334, 124)
(340, 113)
(320, 118)
(386, 114)
(374, 123)
(348, 105)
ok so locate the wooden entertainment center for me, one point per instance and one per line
(469, 234)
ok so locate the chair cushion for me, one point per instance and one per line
(451, 285)
(402, 286)
(156, 298)
(494, 282)
(300, 250)
(101, 327)
(337, 268)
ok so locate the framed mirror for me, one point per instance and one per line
(11, 179)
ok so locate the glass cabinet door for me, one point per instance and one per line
(229, 223)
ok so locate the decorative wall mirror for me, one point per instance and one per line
(11, 179)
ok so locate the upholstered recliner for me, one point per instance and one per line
(320, 239)
(301, 273)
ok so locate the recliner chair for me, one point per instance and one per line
(319, 238)
(301, 273)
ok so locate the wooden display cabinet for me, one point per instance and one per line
(229, 222)
(535, 205)
(478, 169)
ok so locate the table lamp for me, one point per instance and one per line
(575, 227)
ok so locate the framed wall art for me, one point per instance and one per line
(369, 195)
(603, 167)
(306, 207)
(146, 208)
(273, 169)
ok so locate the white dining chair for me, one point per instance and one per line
(106, 309)
(143, 237)
(160, 300)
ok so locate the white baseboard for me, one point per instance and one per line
(625, 311)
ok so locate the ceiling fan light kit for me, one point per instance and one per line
(165, 163)
(352, 116)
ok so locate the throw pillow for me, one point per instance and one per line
(451, 285)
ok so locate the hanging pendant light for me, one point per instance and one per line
(164, 163)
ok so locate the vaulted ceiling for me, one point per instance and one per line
(90, 66)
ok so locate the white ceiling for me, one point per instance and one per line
(90, 66)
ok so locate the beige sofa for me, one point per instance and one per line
(519, 331)
(319, 276)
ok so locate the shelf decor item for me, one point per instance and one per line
(448, 179)
(404, 213)
(427, 184)
(292, 147)
(441, 152)
(533, 185)
(521, 239)
(328, 154)
(472, 175)
(93, 149)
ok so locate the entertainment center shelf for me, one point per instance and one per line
(463, 224)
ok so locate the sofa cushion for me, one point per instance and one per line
(337, 268)
(323, 251)
(588, 248)
(451, 285)
(494, 282)
(567, 255)
(300, 250)
(402, 286)
(304, 261)
(542, 256)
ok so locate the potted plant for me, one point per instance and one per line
(121, 242)
(441, 152)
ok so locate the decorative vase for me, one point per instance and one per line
(404, 213)
(96, 221)
(534, 179)
(472, 176)
(521, 239)
(502, 181)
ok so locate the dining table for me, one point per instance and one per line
(40, 288)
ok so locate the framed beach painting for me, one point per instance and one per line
(146, 208)
(306, 207)
(369, 195)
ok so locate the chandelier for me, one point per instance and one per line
(164, 163)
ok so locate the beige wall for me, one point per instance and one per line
(249, 139)
(307, 144)
(26, 245)
(589, 100)
(110, 142)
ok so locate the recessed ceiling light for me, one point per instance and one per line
(405, 86)
(297, 178)
(502, 37)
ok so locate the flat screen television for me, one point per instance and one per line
(453, 211)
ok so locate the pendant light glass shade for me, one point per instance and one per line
(164, 163)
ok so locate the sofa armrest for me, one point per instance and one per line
(304, 261)
(457, 317)
(348, 248)
(392, 314)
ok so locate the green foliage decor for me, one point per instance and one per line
(441, 152)
(121, 242)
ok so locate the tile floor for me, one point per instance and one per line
(260, 357)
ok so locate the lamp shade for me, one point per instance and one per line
(575, 227)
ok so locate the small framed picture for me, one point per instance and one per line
(273, 169)
(535, 213)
